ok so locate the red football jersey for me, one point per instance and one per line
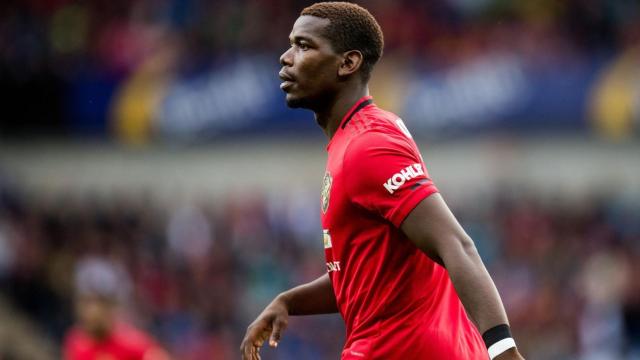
(396, 302)
(124, 343)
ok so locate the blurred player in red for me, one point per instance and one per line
(100, 333)
(401, 271)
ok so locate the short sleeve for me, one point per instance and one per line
(386, 175)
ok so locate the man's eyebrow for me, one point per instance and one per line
(300, 37)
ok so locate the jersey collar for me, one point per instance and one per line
(359, 105)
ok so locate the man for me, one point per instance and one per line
(400, 269)
(100, 333)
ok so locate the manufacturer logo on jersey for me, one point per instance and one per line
(326, 238)
(326, 191)
(398, 179)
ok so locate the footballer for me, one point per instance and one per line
(404, 275)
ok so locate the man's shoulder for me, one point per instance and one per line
(374, 114)
(131, 336)
(376, 134)
(375, 124)
(376, 149)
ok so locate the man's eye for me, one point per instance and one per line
(303, 46)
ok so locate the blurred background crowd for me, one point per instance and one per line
(156, 68)
(148, 79)
(196, 273)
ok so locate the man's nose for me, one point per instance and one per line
(286, 59)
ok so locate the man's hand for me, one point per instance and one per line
(511, 354)
(315, 297)
(268, 325)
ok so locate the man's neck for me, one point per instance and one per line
(330, 118)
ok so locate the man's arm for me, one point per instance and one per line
(316, 297)
(312, 298)
(432, 227)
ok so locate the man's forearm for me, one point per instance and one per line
(434, 230)
(316, 297)
(475, 286)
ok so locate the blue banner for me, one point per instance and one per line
(495, 91)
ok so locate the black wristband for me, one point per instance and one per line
(496, 334)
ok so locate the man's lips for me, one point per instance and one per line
(284, 76)
(287, 80)
(286, 84)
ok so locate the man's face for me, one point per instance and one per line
(310, 66)
(95, 314)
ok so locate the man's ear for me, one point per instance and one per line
(351, 62)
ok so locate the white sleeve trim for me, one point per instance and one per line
(500, 347)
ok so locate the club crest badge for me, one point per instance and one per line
(326, 191)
